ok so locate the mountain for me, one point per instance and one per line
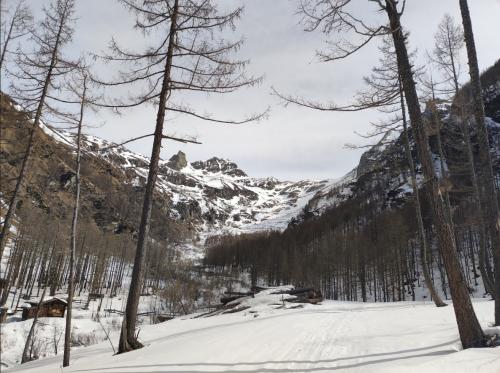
(193, 201)
(200, 199)
(356, 239)
(382, 172)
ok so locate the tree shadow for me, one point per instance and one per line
(285, 370)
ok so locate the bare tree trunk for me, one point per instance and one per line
(487, 276)
(7, 40)
(470, 331)
(10, 270)
(26, 357)
(442, 166)
(487, 188)
(19, 26)
(464, 125)
(128, 339)
(420, 223)
(71, 282)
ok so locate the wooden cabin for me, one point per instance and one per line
(54, 307)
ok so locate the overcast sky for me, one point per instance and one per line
(294, 143)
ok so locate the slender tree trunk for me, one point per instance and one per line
(31, 141)
(7, 40)
(487, 276)
(128, 339)
(72, 253)
(487, 188)
(470, 331)
(442, 164)
(418, 209)
(464, 125)
(26, 351)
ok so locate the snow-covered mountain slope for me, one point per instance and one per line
(193, 200)
(383, 172)
(268, 337)
(215, 195)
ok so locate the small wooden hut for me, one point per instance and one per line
(54, 307)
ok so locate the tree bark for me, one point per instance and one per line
(470, 331)
(128, 339)
(487, 188)
(72, 253)
(418, 210)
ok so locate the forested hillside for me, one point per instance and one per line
(193, 202)
(358, 240)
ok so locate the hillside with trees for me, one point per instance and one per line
(359, 241)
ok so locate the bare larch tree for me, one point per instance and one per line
(338, 17)
(384, 92)
(35, 79)
(186, 55)
(16, 27)
(471, 334)
(78, 90)
(448, 45)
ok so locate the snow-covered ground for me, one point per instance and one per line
(270, 337)
(90, 326)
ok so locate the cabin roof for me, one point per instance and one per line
(53, 300)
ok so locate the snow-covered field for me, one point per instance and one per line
(89, 326)
(270, 337)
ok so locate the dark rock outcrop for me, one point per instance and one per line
(178, 161)
(215, 165)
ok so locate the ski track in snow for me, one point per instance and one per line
(334, 336)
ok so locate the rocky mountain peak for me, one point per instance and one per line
(178, 161)
(219, 165)
(193, 201)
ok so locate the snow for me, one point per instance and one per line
(267, 337)
(58, 135)
(437, 166)
(334, 192)
(260, 206)
(49, 334)
(89, 326)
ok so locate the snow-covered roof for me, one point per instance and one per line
(29, 304)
